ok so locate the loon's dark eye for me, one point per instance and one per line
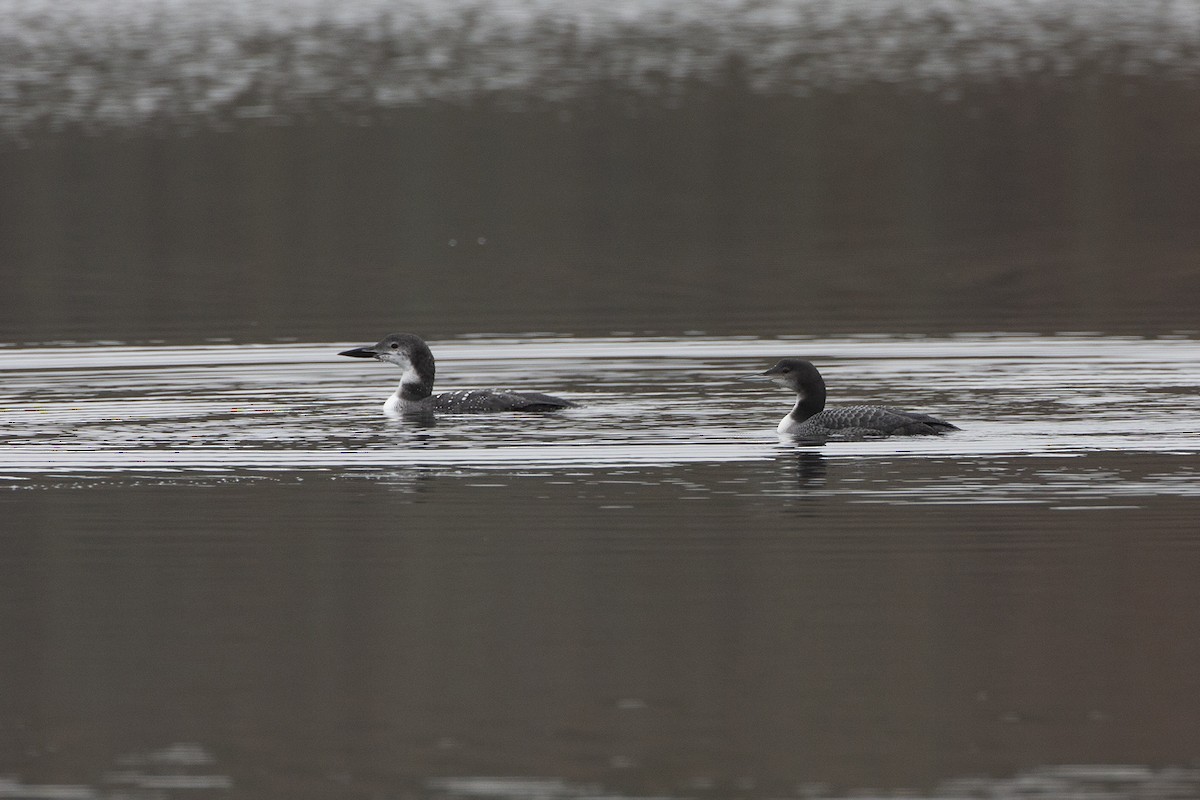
(786, 370)
(395, 346)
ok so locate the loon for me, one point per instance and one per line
(811, 420)
(415, 393)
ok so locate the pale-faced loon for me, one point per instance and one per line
(415, 393)
(811, 420)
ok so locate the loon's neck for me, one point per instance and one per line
(416, 383)
(414, 391)
(808, 402)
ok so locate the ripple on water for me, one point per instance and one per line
(648, 403)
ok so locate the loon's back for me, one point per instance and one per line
(861, 422)
(489, 400)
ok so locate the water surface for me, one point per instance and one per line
(225, 573)
(224, 562)
(656, 401)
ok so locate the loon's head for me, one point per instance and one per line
(796, 374)
(404, 350)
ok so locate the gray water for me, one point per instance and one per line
(225, 565)
(225, 573)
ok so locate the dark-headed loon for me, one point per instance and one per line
(811, 420)
(415, 393)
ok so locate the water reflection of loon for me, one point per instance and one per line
(811, 420)
(415, 392)
(810, 469)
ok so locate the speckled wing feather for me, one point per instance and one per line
(489, 400)
(872, 421)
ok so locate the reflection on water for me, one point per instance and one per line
(1089, 782)
(1083, 782)
(182, 770)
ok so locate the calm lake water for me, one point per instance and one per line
(225, 570)
(224, 573)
